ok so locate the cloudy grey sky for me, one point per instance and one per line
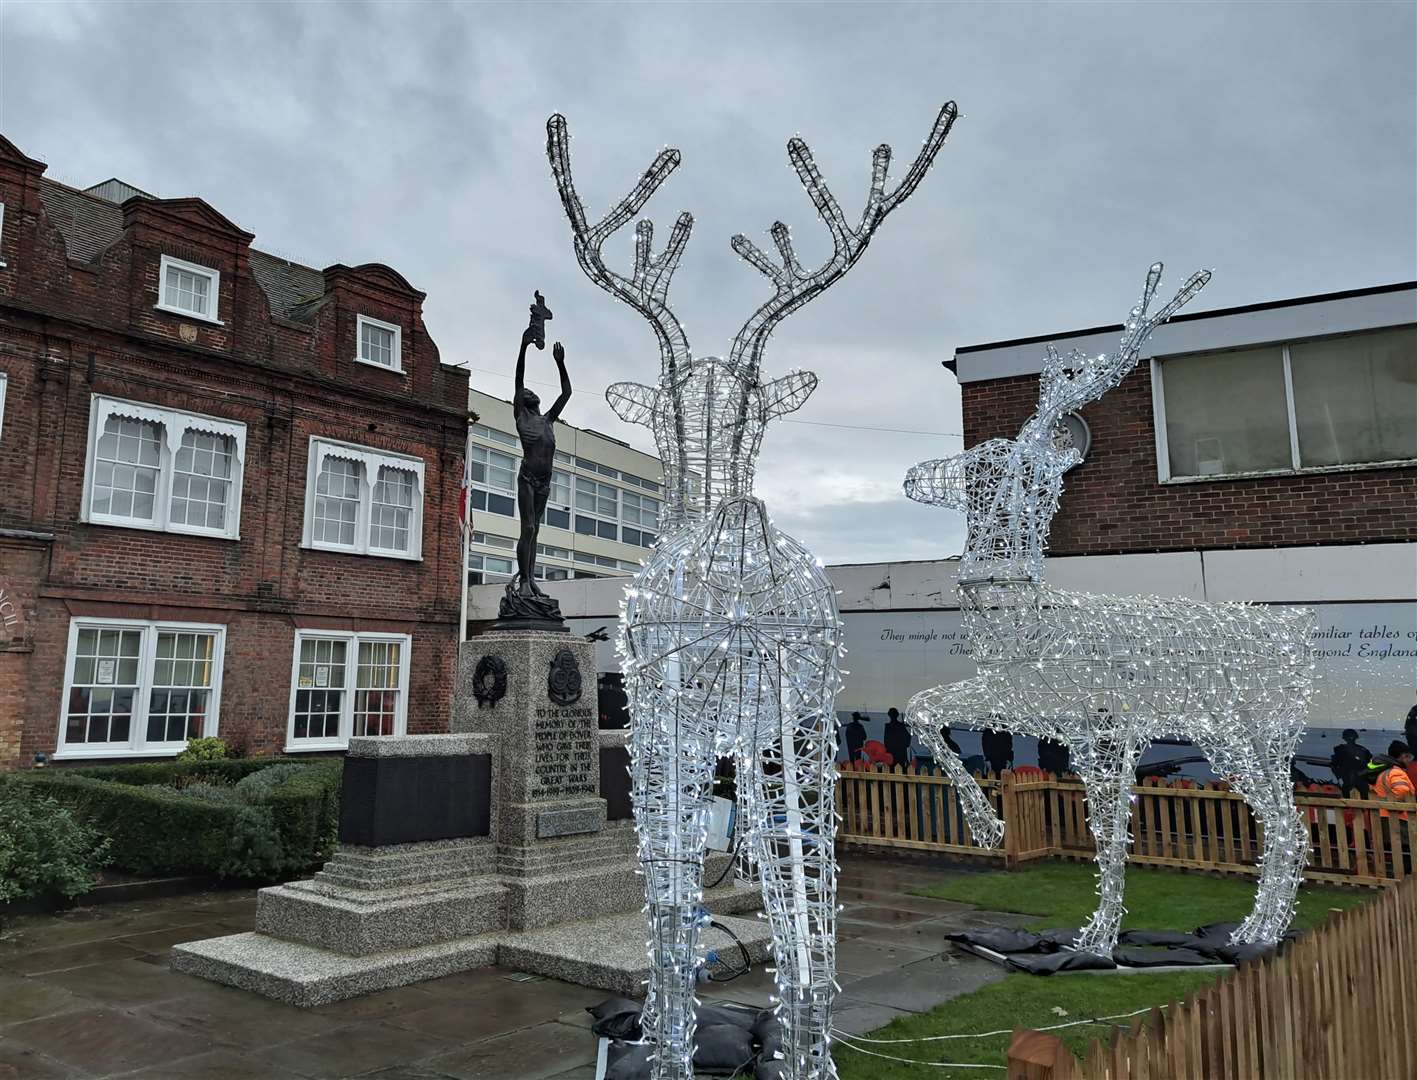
(1275, 142)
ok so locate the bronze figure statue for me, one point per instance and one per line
(524, 603)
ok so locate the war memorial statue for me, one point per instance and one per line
(525, 605)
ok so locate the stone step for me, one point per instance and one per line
(610, 953)
(607, 954)
(307, 976)
(368, 922)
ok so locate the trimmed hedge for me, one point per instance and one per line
(261, 831)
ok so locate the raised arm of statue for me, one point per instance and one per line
(559, 355)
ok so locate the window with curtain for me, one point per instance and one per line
(364, 501)
(151, 467)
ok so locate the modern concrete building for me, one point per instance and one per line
(601, 518)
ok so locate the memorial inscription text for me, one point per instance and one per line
(565, 751)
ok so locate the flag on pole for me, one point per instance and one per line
(465, 503)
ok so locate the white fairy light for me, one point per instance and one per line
(729, 635)
(1107, 674)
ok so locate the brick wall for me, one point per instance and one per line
(72, 329)
(1113, 502)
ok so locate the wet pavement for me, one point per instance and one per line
(87, 993)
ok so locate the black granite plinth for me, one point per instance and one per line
(403, 800)
(615, 782)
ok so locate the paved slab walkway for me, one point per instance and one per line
(88, 994)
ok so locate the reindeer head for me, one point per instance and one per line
(1009, 489)
(708, 414)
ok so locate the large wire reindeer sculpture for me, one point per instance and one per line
(1107, 674)
(729, 635)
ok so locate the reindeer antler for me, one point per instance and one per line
(647, 289)
(1070, 382)
(794, 287)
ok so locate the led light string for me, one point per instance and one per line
(1108, 674)
(730, 639)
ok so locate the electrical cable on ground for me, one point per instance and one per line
(1002, 1031)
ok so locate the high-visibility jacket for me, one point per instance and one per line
(1393, 783)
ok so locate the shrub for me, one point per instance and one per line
(43, 850)
(203, 750)
(205, 826)
(257, 785)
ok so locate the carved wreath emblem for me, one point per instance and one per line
(564, 684)
(489, 680)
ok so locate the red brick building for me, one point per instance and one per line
(1271, 425)
(228, 485)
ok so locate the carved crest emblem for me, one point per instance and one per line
(564, 684)
(187, 332)
(489, 680)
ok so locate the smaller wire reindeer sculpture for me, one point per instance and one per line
(729, 636)
(1107, 674)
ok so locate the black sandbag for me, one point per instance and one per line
(1059, 961)
(616, 1018)
(1211, 931)
(1166, 939)
(770, 1070)
(627, 1061)
(1241, 954)
(1000, 939)
(1053, 940)
(719, 1014)
(1140, 956)
(725, 1048)
(767, 1032)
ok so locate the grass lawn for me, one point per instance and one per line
(1062, 894)
(1065, 894)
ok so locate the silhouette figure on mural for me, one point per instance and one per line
(524, 603)
(949, 740)
(1053, 756)
(998, 747)
(897, 737)
(854, 735)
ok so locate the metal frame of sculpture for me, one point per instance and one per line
(1107, 674)
(729, 636)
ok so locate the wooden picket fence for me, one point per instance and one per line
(1337, 1004)
(1180, 824)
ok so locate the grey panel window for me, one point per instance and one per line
(1355, 398)
(1226, 413)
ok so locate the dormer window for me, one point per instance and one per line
(379, 344)
(188, 289)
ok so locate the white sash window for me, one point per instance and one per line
(363, 501)
(155, 468)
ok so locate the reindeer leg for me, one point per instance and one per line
(672, 783)
(794, 781)
(926, 713)
(1108, 770)
(1286, 849)
(1264, 784)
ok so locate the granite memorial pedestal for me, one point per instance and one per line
(508, 841)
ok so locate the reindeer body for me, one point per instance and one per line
(729, 637)
(1109, 674)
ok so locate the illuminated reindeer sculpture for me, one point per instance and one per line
(729, 635)
(1107, 674)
